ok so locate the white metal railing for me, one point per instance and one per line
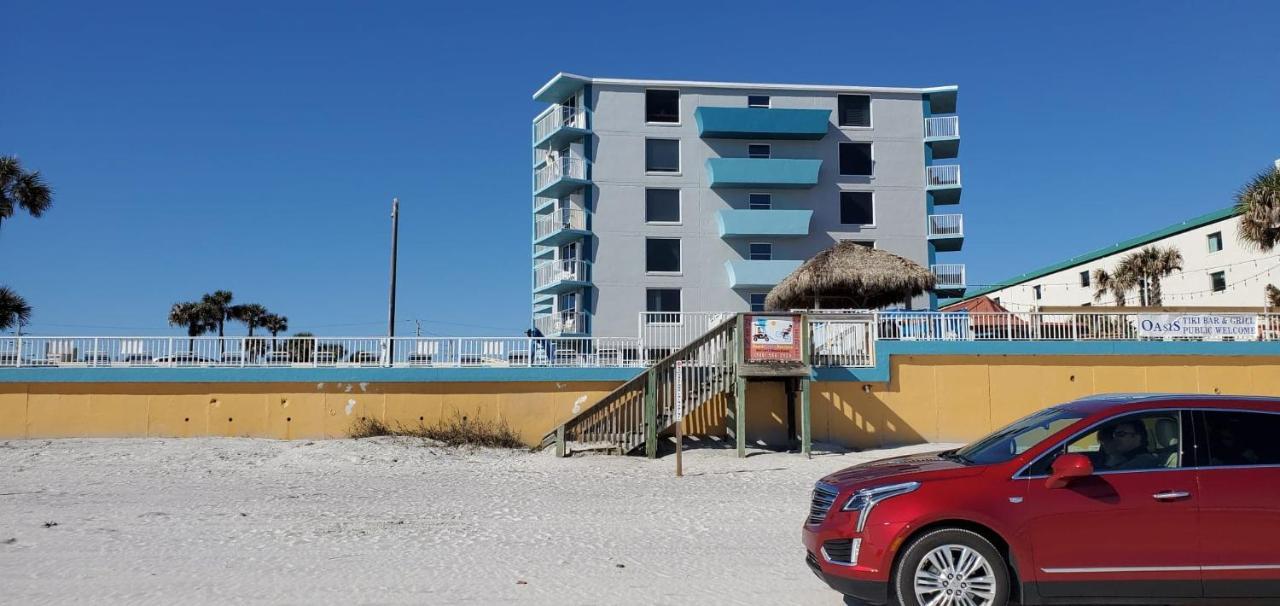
(946, 225)
(1034, 326)
(312, 352)
(561, 167)
(949, 275)
(541, 202)
(942, 175)
(561, 270)
(561, 323)
(664, 332)
(941, 126)
(847, 341)
(560, 220)
(557, 117)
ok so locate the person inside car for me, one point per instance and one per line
(1124, 446)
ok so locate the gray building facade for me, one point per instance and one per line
(672, 196)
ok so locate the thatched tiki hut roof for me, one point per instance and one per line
(849, 275)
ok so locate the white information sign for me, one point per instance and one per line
(679, 392)
(1239, 327)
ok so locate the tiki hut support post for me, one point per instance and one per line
(806, 427)
(740, 389)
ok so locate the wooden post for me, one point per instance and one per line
(806, 426)
(678, 409)
(651, 414)
(679, 448)
(740, 415)
(560, 445)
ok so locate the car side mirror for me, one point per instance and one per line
(1069, 467)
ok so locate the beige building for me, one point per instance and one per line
(1219, 269)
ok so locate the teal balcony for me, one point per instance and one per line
(553, 277)
(560, 227)
(564, 324)
(559, 125)
(946, 232)
(775, 223)
(558, 176)
(943, 183)
(942, 135)
(761, 123)
(758, 274)
(774, 173)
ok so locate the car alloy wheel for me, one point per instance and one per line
(955, 575)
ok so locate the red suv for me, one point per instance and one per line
(1137, 499)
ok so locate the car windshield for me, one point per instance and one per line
(1018, 437)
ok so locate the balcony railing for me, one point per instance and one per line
(566, 270)
(946, 175)
(557, 168)
(938, 127)
(558, 221)
(943, 226)
(949, 275)
(314, 352)
(562, 323)
(558, 117)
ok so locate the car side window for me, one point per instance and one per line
(1238, 438)
(1147, 440)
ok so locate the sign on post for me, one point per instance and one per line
(678, 394)
(773, 339)
(1238, 327)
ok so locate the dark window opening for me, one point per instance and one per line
(662, 254)
(662, 205)
(855, 159)
(857, 208)
(662, 155)
(855, 110)
(662, 106)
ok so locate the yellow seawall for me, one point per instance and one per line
(950, 398)
(279, 410)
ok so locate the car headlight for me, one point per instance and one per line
(865, 499)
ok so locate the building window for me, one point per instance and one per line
(662, 155)
(1084, 278)
(866, 243)
(1219, 280)
(760, 201)
(757, 301)
(857, 208)
(855, 110)
(758, 150)
(996, 300)
(761, 251)
(662, 205)
(662, 300)
(757, 100)
(1215, 241)
(855, 159)
(662, 254)
(1036, 289)
(662, 106)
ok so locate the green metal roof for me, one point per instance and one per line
(1142, 240)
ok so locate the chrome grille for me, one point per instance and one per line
(823, 496)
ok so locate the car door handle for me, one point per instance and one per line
(1170, 495)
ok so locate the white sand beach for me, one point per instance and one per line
(394, 521)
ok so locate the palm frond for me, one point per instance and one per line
(14, 310)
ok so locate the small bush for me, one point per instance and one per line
(366, 427)
(457, 430)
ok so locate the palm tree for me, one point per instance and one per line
(1273, 296)
(1117, 285)
(1149, 266)
(14, 310)
(22, 189)
(275, 324)
(193, 315)
(219, 306)
(1258, 205)
(250, 313)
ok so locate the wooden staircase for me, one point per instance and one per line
(633, 415)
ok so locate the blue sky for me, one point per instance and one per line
(255, 146)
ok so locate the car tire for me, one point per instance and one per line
(958, 561)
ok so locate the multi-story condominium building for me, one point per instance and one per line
(1218, 270)
(673, 196)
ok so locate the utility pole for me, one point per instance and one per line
(391, 299)
(417, 328)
